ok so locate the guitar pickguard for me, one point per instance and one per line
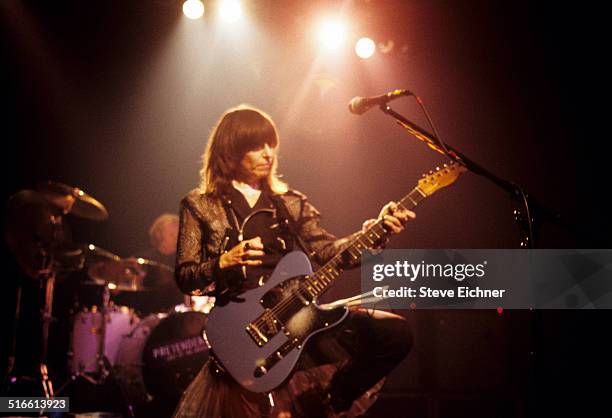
(287, 309)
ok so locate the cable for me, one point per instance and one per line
(450, 154)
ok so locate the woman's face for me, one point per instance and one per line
(256, 164)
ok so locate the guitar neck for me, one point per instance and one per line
(321, 280)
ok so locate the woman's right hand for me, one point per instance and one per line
(242, 254)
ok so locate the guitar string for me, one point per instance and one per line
(332, 265)
(287, 303)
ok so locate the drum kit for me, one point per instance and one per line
(152, 356)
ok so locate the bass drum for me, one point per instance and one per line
(160, 357)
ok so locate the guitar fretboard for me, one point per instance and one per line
(317, 283)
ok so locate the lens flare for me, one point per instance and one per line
(332, 34)
(230, 11)
(365, 47)
(193, 9)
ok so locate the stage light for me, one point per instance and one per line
(193, 9)
(365, 47)
(230, 10)
(331, 34)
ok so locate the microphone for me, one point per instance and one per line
(359, 105)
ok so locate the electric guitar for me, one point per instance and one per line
(259, 338)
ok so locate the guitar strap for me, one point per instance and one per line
(285, 219)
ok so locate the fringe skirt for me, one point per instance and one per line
(212, 394)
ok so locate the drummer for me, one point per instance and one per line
(164, 294)
(163, 234)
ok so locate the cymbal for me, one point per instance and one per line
(33, 230)
(114, 288)
(122, 275)
(153, 265)
(74, 257)
(72, 200)
(96, 251)
(159, 275)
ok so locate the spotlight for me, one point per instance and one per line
(193, 9)
(331, 34)
(365, 48)
(230, 10)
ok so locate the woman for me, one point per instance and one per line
(234, 229)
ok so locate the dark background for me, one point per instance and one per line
(118, 98)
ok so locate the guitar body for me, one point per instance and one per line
(259, 337)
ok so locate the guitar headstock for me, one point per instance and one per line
(441, 177)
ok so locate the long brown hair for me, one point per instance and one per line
(239, 130)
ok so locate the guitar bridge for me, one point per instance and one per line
(263, 328)
(265, 366)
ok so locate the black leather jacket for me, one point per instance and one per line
(203, 236)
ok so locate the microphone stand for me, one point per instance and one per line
(527, 217)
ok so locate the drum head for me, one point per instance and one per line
(174, 353)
